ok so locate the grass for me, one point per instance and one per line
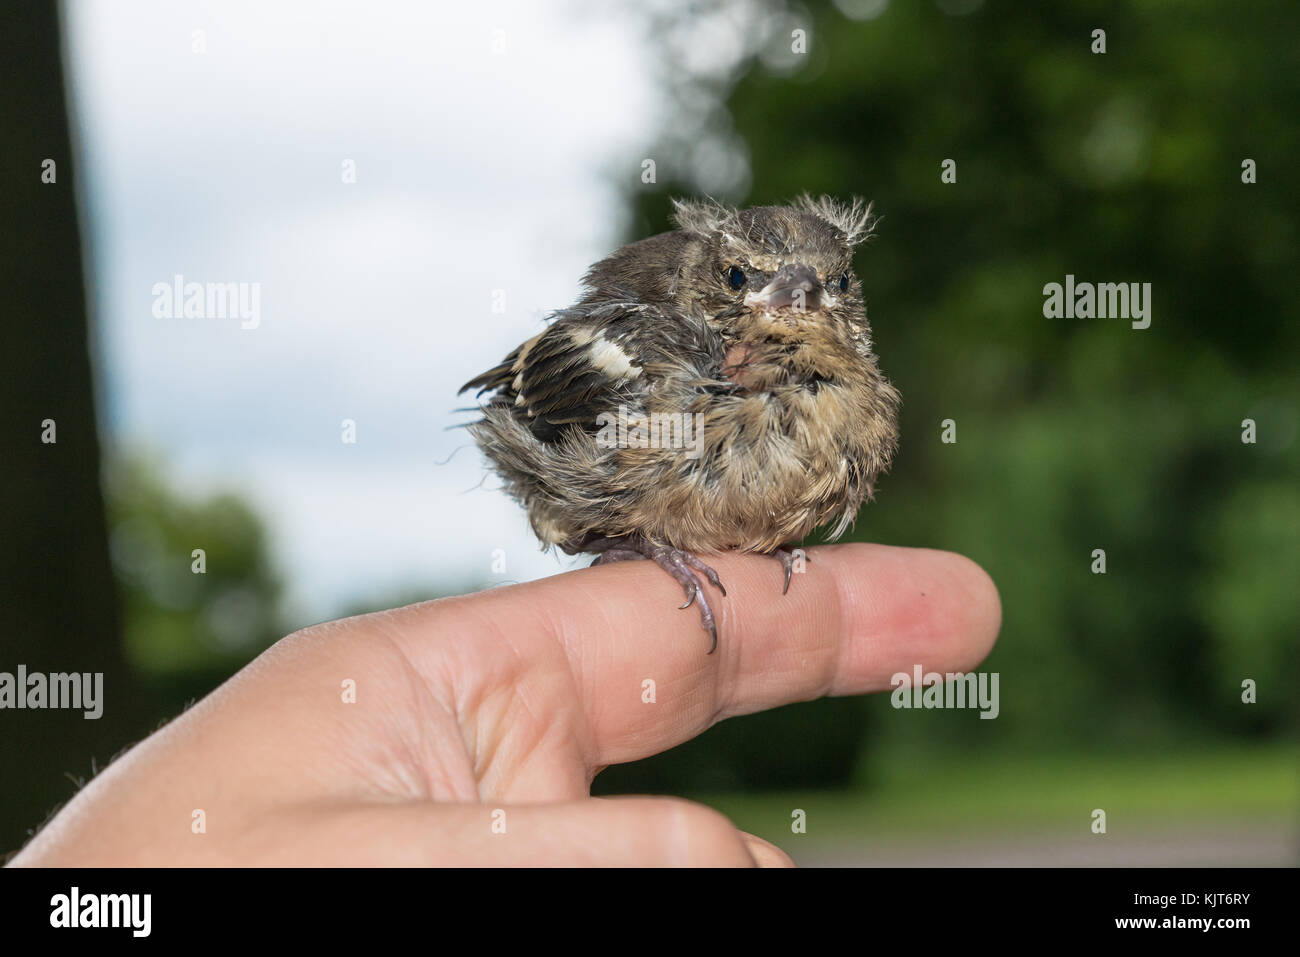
(996, 796)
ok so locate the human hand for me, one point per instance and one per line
(501, 707)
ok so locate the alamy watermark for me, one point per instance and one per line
(77, 690)
(950, 690)
(657, 430)
(130, 911)
(1103, 300)
(208, 300)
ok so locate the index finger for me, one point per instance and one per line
(860, 614)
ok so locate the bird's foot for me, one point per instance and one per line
(683, 566)
(788, 558)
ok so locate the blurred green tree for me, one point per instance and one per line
(198, 591)
(1072, 434)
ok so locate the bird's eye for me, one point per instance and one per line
(735, 277)
(844, 283)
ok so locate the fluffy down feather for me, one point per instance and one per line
(790, 418)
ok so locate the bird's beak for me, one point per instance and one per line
(795, 286)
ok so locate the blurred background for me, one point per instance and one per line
(413, 188)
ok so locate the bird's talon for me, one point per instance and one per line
(786, 558)
(683, 566)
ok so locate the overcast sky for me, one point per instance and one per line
(476, 170)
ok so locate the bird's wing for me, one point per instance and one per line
(591, 359)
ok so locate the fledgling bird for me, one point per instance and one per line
(713, 389)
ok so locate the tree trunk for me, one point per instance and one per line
(58, 603)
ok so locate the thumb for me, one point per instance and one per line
(593, 832)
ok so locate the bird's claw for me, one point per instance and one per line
(786, 557)
(691, 592)
(685, 568)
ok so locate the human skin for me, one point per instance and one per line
(502, 706)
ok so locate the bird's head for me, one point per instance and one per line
(777, 282)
